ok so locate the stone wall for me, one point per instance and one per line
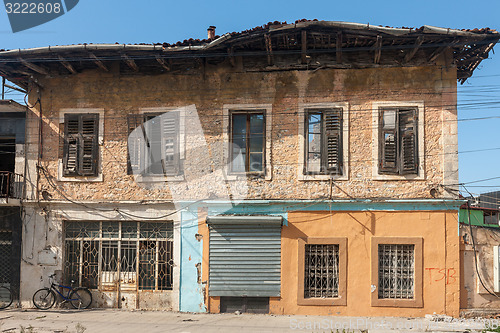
(206, 93)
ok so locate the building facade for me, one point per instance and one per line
(12, 144)
(307, 168)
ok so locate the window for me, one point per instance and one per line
(139, 253)
(323, 153)
(80, 151)
(398, 143)
(153, 144)
(397, 271)
(248, 141)
(321, 275)
(322, 271)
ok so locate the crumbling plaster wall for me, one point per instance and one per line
(119, 95)
(474, 295)
(43, 251)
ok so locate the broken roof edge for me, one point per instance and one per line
(426, 29)
(387, 30)
(13, 105)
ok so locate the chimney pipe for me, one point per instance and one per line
(211, 32)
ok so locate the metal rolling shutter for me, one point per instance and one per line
(245, 256)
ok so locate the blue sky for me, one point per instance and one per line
(148, 21)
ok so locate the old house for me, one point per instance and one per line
(480, 255)
(12, 130)
(305, 168)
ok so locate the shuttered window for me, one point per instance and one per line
(324, 141)
(398, 153)
(80, 151)
(153, 144)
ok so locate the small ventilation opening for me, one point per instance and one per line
(244, 304)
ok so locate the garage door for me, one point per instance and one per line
(245, 256)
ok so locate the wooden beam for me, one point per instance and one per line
(230, 54)
(34, 67)
(130, 62)
(414, 50)
(98, 62)
(15, 88)
(66, 64)
(437, 53)
(269, 49)
(338, 46)
(162, 62)
(304, 47)
(378, 50)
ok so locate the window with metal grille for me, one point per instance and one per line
(398, 144)
(321, 276)
(323, 141)
(248, 141)
(97, 254)
(153, 144)
(80, 150)
(396, 271)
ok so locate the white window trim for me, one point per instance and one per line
(182, 145)
(420, 137)
(227, 108)
(302, 141)
(99, 177)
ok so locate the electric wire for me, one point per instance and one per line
(474, 248)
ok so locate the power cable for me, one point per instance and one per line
(474, 247)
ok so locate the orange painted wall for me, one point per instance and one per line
(440, 253)
(441, 262)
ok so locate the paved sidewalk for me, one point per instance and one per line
(110, 320)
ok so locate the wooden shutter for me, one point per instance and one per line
(388, 137)
(71, 144)
(408, 137)
(135, 143)
(89, 144)
(170, 142)
(333, 141)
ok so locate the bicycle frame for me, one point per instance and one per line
(54, 286)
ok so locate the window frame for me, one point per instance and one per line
(323, 142)
(247, 113)
(148, 116)
(341, 300)
(104, 242)
(98, 177)
(417, 301)
(81, 138)
(398, 133)
(228, 109)
(302, 175)
(420, 130)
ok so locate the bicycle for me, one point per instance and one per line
(79, 298)
(6, 297)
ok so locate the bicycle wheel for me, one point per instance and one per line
(5, 297)
(80, 298)
(44, 298)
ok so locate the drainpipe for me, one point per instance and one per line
(3, 87)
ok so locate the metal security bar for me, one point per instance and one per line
(5, 257)
(396, 271)
(321, 278)
(134, 255)
(11, 185)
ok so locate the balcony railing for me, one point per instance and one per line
(11, 185)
